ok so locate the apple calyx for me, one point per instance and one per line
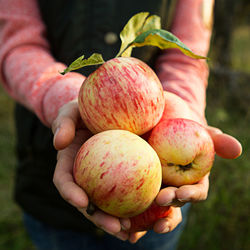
(181, 167)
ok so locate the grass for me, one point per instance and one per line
(12, 233)
(240, 49)
(221, 222)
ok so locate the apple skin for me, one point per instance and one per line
(175, 107)
(123, 93)
(119, 171)
(145, 221)
(185, 149)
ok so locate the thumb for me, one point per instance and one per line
(64, 125)
(225, 145)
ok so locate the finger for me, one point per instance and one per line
(166, 196)
(64, 134)
(108, 223)
(63, 180)
(169, 223)
(125, 223)
(134, 237)
(225, 145)
(65, 124)
(193, 193)
(213, 131)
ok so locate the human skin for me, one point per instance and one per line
(70, 134)
(175, 107)
(24, 77)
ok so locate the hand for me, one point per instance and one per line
(226, 147)
(68, 142)
(161, 226)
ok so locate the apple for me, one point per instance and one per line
(145, 221)
(119, 171)
(123, 93)
(185, 149)
(175, 107)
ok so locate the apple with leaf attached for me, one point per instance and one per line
(124, 94)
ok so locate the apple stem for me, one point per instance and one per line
(91, 208)
(121, 52)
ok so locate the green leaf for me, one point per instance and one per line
(163, 40)
(80, 62)
(136, 25)
(152, 22)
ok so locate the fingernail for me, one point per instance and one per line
(124, 227)
(167, 204)
(54, 138)
(56, 131)
(165, 230)
(183, 200)
(125, 224)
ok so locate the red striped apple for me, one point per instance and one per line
(145, 221)
(119, 171)
(175, 107)
(123, 93)
(185, 149)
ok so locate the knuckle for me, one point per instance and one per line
(204, 196)
(65, 194)
(54, 125)
(55, 180)
(61, 110)
(66, 197)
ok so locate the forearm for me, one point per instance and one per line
(28, 71)
(178, 73)
(37, 83)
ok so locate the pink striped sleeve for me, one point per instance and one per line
(178, 73)
(27, 70)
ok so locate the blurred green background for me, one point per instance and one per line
(222, 221)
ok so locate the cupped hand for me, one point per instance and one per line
(226, 147)
(68, 141)
(69, 135)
